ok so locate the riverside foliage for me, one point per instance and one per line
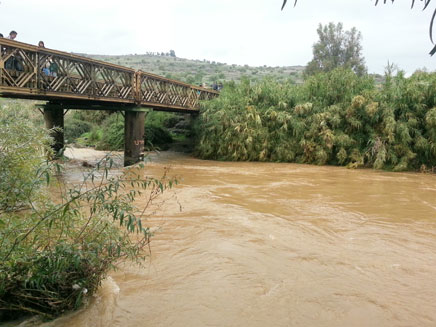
(54, 253)
(335, 118)
(108, 131)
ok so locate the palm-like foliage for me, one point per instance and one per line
(333, 118)
(426, 3)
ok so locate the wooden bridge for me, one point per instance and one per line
(66, 81)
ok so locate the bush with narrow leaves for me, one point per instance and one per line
(333, 118)
(54, 254)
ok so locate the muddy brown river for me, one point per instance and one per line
(270, 244)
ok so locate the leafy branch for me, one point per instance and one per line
(56, 252)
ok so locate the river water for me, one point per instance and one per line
(271, 244)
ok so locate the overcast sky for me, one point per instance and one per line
(253, 32)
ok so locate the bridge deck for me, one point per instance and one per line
(30, 72)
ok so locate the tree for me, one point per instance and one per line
(336, 48)
(426, 3)
(172, 53)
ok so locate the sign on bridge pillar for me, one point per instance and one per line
(133, 137)
(54, 117)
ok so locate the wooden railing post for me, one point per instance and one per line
(137, 87)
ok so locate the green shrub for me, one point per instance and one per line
(157, 137)
(74, 128)
(17, 164)
(112, 137)
(161, 118)
(54, 254)
(334, 118)
(91, 138)
(156, 134)
(95, 116)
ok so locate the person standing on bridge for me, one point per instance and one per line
(12, 35)
(14, 62)
(53, 68)
(46, 68)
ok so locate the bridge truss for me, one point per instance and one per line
(31, 72)
(68, 81)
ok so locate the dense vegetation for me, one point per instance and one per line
(106, 132)
(334, 118)
(54, 253)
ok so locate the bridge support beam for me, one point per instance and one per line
(133, 137)
(54, 117)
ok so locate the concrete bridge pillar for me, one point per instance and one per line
(54, 117)
(133, 137)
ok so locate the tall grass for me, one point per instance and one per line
(333, 118)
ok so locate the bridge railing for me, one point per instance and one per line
(46, 73)
(163, 92)
(40, 73)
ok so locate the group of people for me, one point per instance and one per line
(12, 35)
(217, 86)
(15, 61)
(50, 68)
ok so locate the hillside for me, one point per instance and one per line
(200, 71)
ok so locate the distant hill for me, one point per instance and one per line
(200, 71)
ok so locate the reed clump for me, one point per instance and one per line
(335, 118)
